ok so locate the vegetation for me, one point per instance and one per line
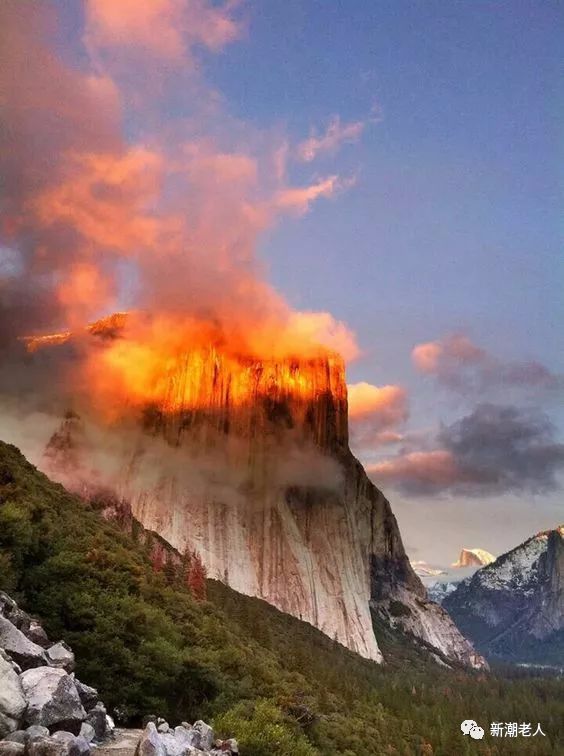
(277, 684)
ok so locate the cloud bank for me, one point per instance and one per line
(492, 451)
(462, 366)
(109, 199)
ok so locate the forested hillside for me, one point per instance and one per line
(279, 685)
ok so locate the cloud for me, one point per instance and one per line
(375, 412)
(165, 29)
(166, 213)
(462, 366)
(337, 133)
(492, 451)
(299, 199)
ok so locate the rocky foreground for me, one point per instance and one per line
(46, 711)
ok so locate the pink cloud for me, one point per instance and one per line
(163, 28)
(461, 365)
(337, 133)
(418, 470)
(375, 413)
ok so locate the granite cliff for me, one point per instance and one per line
(246, 462)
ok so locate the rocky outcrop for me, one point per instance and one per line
(246, 463)
(12, 700)
(52, 698)
(159, 739)
(514, 607)
(44, 698)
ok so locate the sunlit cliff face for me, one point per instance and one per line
(177, 369)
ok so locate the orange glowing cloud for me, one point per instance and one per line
(82, 291)
(168, 221)
(105, 197)
(375, 413)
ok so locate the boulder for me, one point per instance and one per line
(36, 731)
(61, 655)
(230, 747)
(205, 733)
(12, 700)
(53, 699)
(37, 634)
(23, 651)
(88, 696)
(18, 736)
(98, 718)
(47, 747)
(79, 747)
(150, 743)
(11, 611)
(76, 746)
(87, 732)
(163, 727)
(16, 667)
(11, 748)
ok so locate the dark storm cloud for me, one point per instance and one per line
(494, 450)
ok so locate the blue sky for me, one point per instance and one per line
(455, 221)
(142, 153)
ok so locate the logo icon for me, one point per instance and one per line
(470, 727)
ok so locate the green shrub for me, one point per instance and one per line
(263, 730)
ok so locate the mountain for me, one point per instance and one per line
(422, 569)
(473, 558)
(246, 462)
(514, 607)
(118, 595)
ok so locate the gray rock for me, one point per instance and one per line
(47, 747)
(61, 655)
(110, 725)
(172, 745)
(12, 700)
(18, 736)
(163, 727)
(88, 696)
(52, 698)
(87, 732)
(76, 746)
(29, 626)
(11, 748)
(206, 736)
(18, 647)
(230, 746)
(36, 731)
(79, 747)
(11, 611)
(149, 718)
(150, 743)
(11, 662)
(63, 736)
(37, 634)
(186, 725)
(98, 718)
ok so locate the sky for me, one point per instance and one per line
(454, 224)
(394, 166)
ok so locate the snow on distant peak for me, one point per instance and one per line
(477, 557)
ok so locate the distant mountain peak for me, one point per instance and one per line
(514, 607)
(473, 558)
